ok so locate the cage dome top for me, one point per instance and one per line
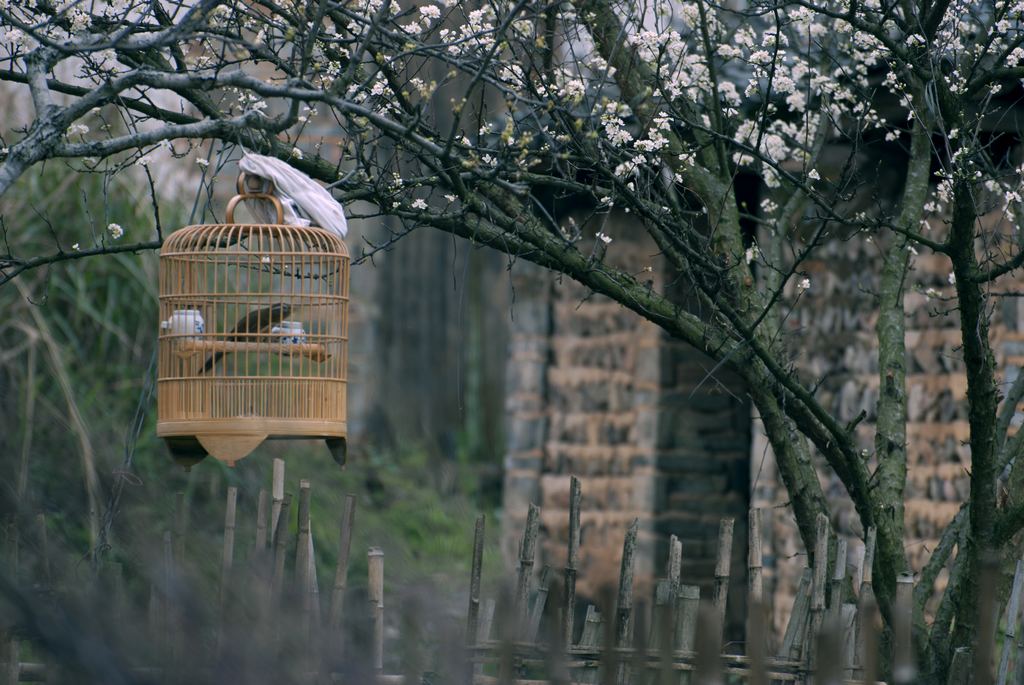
(284, 237)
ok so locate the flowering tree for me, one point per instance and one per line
(469, 118)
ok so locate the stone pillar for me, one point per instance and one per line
(529, 351)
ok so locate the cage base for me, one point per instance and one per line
(230, 448)
(230, 440)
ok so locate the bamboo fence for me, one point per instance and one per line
(528, 633)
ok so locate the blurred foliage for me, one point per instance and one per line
(76, 345)
(77, 339)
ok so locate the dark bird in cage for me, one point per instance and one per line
(249, 326)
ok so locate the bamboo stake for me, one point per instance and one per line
(302, 548)
(868, 566)
(796, 629)
(1019, 666)
(624, 601)
(375, 590)
(227, 559)
(262, 505)
(757, 641)
(312, 607)
(689, 611)
(590, 636)
(865, 635)
(847, 623)
(661, 617)
(572, 561)
(867, 638)
(260, 564)
(537, 611)
(904, 670)
(674, 570)
(483, 631)
(756, 632)
(663, 628)
(669, 641)
(755, 581)
(348, 517)
(820, 578)
(1010, 631)
(476, 571)
(280, 547)
(526, 560)
(835, 592)
(722, 570)
(277, 493)
(314, 581)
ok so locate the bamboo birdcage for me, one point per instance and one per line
(230, 374)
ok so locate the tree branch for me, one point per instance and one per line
(11, 267)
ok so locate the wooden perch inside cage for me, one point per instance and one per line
(314, 351)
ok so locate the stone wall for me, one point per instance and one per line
(651, 428)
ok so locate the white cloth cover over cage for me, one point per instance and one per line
(294, 189)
